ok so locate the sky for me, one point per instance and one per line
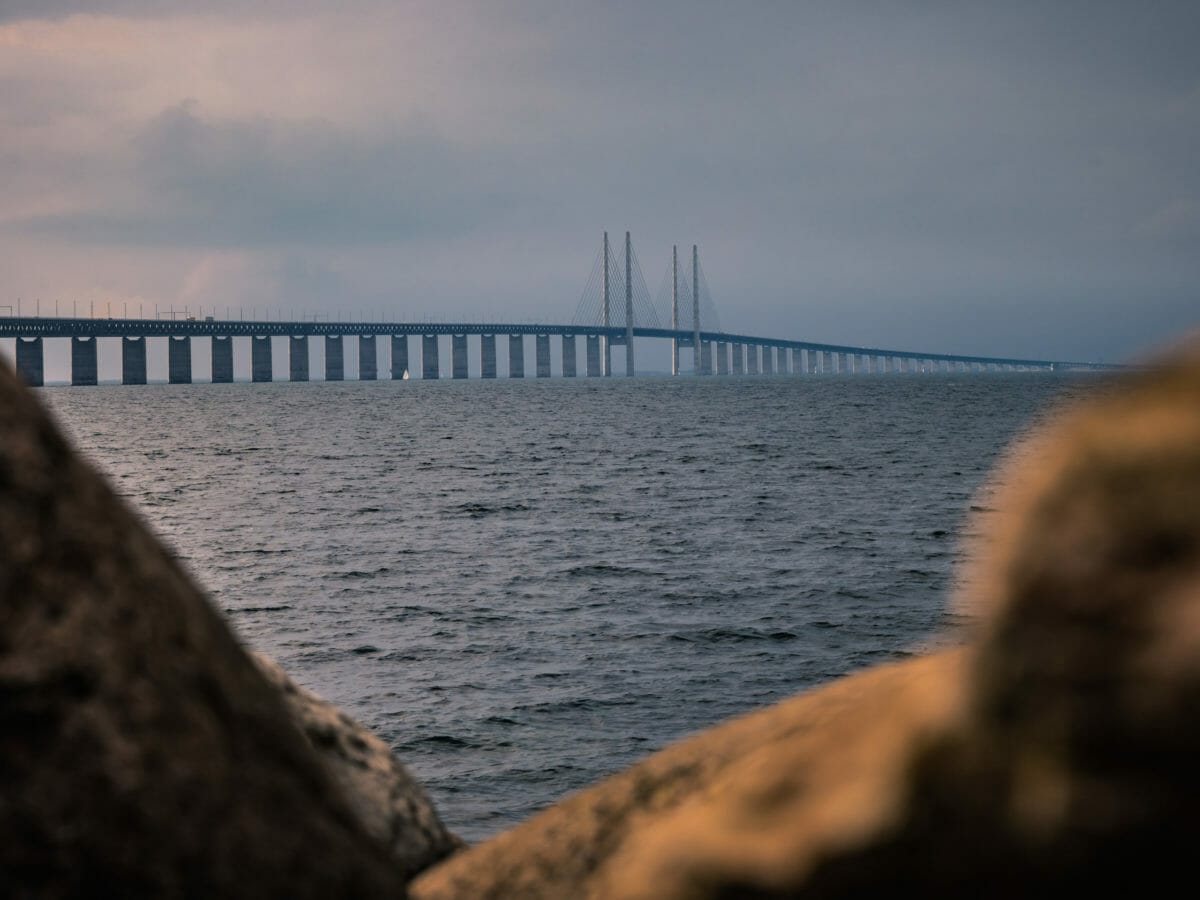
(1013, 179)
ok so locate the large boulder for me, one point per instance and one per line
(1056, 752)
(142, 753)
(391, 804)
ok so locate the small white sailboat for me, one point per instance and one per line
(404, 375)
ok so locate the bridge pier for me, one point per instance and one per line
(768, 362)
(335, 358)
(399, 356)
(297, 358)
(458, 356)
(706, 357)
(368, 357)
(83, 361)
(179, 360)
(592, 342)
(542, 344)
(430, 371)
(487, 356)
(222, 359)
(722, 358)
(260, 358)
(133, 360)
(751, 359)
(568, 355)
(516, 356)
(30, 361)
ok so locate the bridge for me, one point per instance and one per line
(600, 322)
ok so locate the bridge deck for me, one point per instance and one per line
(45, 327)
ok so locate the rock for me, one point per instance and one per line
(141, 751)
(1057, 752)
(801, 749)
(387, 800)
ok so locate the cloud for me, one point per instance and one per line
(926, 174)
(265, 182)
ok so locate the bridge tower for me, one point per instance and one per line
(674, 308)
(696, 349)
(628, 307)
(607, 318)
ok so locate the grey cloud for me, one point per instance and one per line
(266, 182)
(900, 174)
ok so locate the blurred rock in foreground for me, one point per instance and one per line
(142, 753)
(1060, 751)
(386, 799)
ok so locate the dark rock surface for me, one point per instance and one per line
(1056, 754)
(141, 751)
(387, 800)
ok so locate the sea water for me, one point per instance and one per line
(524, 586)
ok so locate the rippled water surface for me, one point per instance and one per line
(525, 586)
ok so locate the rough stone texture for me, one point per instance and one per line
(389, 802)
(775, 757)
(1057, 753)
(141, 752)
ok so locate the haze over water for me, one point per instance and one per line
(526, 586)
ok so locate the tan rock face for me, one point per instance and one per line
(141, 752)
(1058, 752)
(386, 799)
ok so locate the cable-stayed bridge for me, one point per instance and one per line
(615, 310)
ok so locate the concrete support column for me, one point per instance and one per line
(335, 358)
(179, 360)
(751, 359)
(516, 356)
(222, 360)
(399, 356)
(722, 358)
(592, 342)
(487, 356)
(133, 360)
(568, 356)
(260, 358)
(768, 361)
(83, 361)
(542, 344)
(30, 361)
(368, 359)
(430, 371)
(297, 358)
(738, 366)
(458, 356)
